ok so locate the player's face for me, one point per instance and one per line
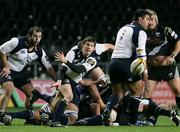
(152, 22)
(36, 37)
(88, 48)
(145, 21)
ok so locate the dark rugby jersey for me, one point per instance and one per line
(161, 42)
(76, 57)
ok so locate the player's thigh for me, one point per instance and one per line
(66, 91)
(136, 88)
(96, 73)
(118, 89)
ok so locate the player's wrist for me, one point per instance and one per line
(172, 55)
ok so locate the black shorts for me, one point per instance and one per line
(119, 71)
(165, 73)
(18, 78)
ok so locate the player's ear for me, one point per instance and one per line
(28, 36)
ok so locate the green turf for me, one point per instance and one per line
(164, 125)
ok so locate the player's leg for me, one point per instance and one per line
(150, 85)
(71, 113)
(5, 97)
(27, 90)
(96, 96)
(175, 86)
(136, 88)
(67, 93)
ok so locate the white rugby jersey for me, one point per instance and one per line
(18, 55)
(99, 48)
(129, 38)
(77, 58)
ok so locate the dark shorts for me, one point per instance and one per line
(119, 71)
(18, 78)
(165, 73)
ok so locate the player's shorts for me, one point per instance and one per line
(18, 78)
(119, 71)
(165, 73)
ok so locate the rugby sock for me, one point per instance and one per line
(112, 101)
(133, 110)
(60, 109)
(27, 114)
(63, 119)
(95, 120)
(156, 111)
(178, 102)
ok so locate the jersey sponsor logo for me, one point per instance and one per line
(170, 74)
(158, 34)
(23, 51)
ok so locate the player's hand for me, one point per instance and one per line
(102, 82)
(5, 72)
(57, 85)
(60, 57)
(169, 60)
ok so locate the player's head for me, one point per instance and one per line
(153, 19)
(142, 17)
(34, 35)
(79, 44)
(88, 45)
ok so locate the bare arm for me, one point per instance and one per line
(176, 50)
(171, 59)
(109, 47)
(5, 71)
(51, 72)
(3, 58)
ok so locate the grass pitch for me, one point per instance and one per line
(164, 124)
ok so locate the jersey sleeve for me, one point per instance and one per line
(171, 35)
(90, 63)
(70, 56)
(100, 48)
(140, 50)
(74, 47)
(9, 46)
(45, 60)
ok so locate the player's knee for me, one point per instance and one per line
(72, 116)
(68, 97)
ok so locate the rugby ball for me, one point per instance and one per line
(137, 67)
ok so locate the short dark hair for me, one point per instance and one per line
(140, 13)
(36, 29)
(89, 39)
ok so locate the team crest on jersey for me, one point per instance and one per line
(47, 58)
(91, 61)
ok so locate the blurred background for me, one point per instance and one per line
(65, 22)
